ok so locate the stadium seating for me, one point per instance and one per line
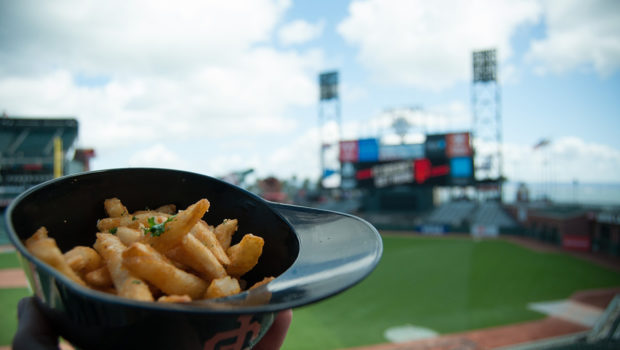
(464, 213)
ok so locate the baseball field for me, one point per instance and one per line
(444, 284)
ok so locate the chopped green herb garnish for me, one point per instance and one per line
(113, 230)
(134, 218)
(136, 282)
(156, 229)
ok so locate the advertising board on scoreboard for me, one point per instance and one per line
(442, 160)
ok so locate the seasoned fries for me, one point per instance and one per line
(201, 258)
(161, 255)
(127, 285)
(115, 208)
(177, 227)
(99, 278)
(206, 236)
(145, 262)
(45, 248)
(244, 255)
(128, 235)
(222, 287)
(83, 259)
(225, 231)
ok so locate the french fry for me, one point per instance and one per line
(39, 234)
(263, 282)
(174, 299)
(222, 287)
(207, 237)
(259, 298)
(201, 259)
(99, 278)
(115, 208)
(128, 235)
(126, 283)
(45, 248)
(134, 220)
(171, 232)
(146, 262)
(244, 255)
(225, 231)
(83, 259)
(179, 258)
(167, 209)
(108, 224)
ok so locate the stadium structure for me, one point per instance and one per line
(401, 184)
(449, 182)
(34, 150)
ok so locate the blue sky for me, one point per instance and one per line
(215, 87)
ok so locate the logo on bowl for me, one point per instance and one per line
(222, 340)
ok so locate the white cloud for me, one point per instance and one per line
(129, 37)
(565, 159)
(300, 157)
(156, 156)
(351, 93)
(189, 74)
(429, 43)
(300, 31)
(579, 33)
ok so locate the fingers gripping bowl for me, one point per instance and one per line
(313, 254)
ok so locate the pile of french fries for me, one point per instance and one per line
(160, 254)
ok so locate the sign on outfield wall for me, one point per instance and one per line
(576, 242)
(479, 230)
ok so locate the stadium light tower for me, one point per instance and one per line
(329, 129)
(487, 124)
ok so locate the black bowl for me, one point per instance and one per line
(314, 254)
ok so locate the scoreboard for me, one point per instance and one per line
(442, 160)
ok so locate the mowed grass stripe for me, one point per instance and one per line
(9, 260)
(448, 285)
(9, 297)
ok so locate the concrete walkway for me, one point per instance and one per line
(569, 310)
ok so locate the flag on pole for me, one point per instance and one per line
(542, 143)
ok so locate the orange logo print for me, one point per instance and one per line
(233, 339)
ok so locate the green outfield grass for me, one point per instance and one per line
(8, 312)
(8, 300)
(8, 260)
(448, 285)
